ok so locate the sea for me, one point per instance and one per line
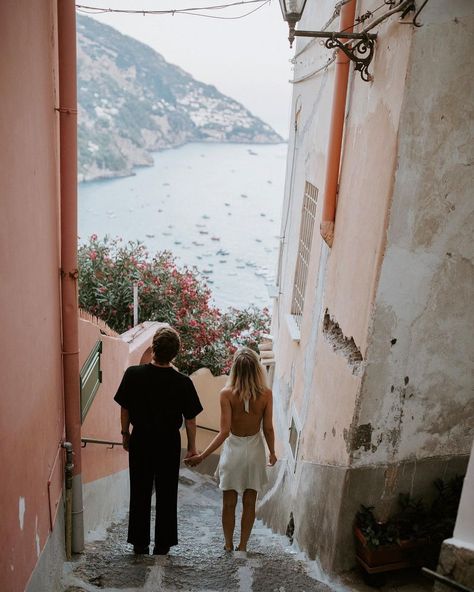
(216, 207)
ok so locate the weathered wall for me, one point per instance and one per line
(405, 167)
(417, 394)
(31, 407)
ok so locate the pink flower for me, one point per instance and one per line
(93, 255)
(93, 237)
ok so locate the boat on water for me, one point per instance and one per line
(150, 235)
(215, 238)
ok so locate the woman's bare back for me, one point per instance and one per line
(243, 423)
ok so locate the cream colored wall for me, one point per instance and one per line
(343, 279)
(103, 419)
(208, 388)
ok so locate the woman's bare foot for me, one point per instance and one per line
(228, 547)
(241, 548)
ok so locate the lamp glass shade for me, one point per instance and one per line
(292, 10)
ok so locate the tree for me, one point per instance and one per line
(108, 269)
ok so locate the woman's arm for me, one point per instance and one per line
(268, 431)
(226, 416)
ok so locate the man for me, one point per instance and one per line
(154, 398)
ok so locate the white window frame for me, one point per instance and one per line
(308, 218)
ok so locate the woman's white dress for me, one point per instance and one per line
(242, 464)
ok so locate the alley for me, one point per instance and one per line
(199, 563)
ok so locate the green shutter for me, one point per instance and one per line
(91, 377)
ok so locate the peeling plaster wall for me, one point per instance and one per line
(417, 392)
(395, 285)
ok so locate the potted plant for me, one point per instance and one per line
(413, 535)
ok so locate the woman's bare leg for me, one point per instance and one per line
(249, 500)
(229, 501)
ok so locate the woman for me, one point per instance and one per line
(246, 406)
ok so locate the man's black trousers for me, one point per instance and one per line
(153, 461)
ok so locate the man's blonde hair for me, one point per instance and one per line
(247, 377)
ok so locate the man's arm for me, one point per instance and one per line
(190, 425)
(226, 417)
(125, 423)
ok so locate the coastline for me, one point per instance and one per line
(131, 171)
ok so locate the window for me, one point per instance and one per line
(308, 217)
(90, 379)
(294, 440)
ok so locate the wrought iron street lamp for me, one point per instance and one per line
(361, 52)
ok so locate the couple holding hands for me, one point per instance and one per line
(154, 398)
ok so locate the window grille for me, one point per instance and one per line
(308, 217)
(90, 379)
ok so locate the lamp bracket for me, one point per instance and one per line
(361, 52)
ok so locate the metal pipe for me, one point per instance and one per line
(69, 468)
(444, 580)
(336, 129)
(330, 35)
(69, 274)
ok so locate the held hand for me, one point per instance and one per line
(125, 441)
(191, 452)
(193, 461)
(272, 459)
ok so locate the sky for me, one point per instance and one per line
(247, 59)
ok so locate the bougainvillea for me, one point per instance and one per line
(168, 293)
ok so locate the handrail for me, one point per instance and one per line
(444, 580)
(86, 441)
(112, 444)
(208, 429)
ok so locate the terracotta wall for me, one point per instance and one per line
(31, 406)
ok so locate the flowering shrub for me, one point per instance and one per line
(108, 269)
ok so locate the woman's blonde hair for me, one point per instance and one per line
(247, 377)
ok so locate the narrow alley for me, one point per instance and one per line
(200, 564)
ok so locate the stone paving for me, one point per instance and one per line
(199, 563)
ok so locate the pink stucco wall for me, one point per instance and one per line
(31, 406)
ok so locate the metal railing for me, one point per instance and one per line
(111, 443)
(444, 580)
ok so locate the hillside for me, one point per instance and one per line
(132, 102)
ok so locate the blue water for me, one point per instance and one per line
(215, 206)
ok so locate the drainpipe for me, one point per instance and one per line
(336, 129)
(70, 312)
